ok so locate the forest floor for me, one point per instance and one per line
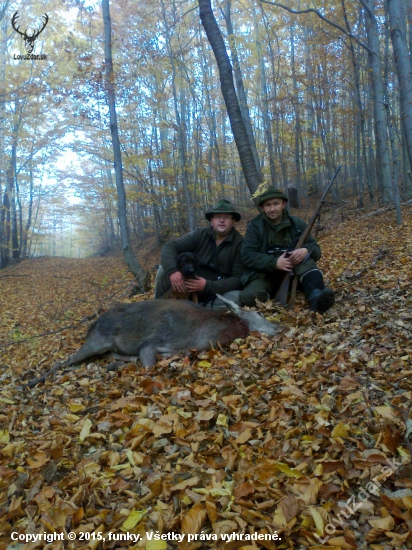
(305, 434)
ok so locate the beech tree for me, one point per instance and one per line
(381, 123)
(397, 18)
(229, 94)
(241, 93)
(129, 257)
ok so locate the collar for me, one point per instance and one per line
(284, 222)
(213, 235)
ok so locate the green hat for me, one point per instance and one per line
(271, 193)
(223, 207)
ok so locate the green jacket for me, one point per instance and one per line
(261, 235)
(221, 265)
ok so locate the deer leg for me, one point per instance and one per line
(89, 349)
(147, 356)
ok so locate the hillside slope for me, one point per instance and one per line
(302, 434)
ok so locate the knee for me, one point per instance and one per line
(248, 298)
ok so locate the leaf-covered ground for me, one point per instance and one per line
(304, 434)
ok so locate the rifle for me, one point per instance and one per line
(282, 293)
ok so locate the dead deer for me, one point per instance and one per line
(145, 329)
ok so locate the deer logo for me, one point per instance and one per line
(29, 40)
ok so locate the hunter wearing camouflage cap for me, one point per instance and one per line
(264, 255)
(271, 193)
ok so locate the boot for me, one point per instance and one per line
(320, 298)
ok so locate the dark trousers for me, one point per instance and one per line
(162, 285)
(263, 288)
(266, 285)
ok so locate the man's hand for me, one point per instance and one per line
(293, 259)
(297, 256)
(196, 285)
(177, 282)
(284, 263)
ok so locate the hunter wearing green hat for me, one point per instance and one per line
(218, 250)
(223, 207)
(266, 260)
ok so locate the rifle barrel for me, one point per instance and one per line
(282, 292)
(330, 183)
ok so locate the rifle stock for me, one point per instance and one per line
(282, 293)
(283, 290)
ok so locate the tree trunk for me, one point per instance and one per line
(214, 142)
(15, 198)
(406, 168)
(3, 47)
(210, 117)
(31, 253)
(409, 15)
(297, 117)
(180, 128)
(395, 168)
(7, 217)
(267, 124)
(229, 95)
(324, 134)
(3, 50)
(240, 86)
(27, 226)
(277, 112)
(360, 122)
(312, 182)
(381, 134)
(401, 54)
(131, 261)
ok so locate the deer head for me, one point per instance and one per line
(28, 40)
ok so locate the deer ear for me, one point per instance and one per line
(231, 305)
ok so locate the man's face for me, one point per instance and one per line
(222, 224)
(273, 208)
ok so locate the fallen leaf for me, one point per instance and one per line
(87, 424)
(133, 519)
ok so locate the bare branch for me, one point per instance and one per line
(3, 9)
(188, 11)
(316, 12)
